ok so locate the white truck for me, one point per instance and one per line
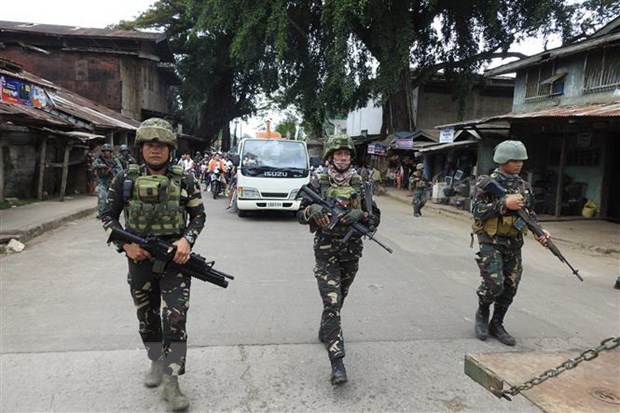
(270, 173)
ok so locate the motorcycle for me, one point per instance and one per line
(218, 183)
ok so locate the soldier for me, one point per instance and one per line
(160, 200)
(500, 236)
(125, 157)
(106, 166)
(419, 184)
(337, 262)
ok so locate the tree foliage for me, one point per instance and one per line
(326, 57)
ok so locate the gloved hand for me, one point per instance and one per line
(354, 215)
(314, 212)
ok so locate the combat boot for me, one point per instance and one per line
(496, 328)
(482, 322)
(339, 373)
(154, 376)
(481, 326)
(171, 392)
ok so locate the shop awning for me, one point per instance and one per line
(592, 110)
(444, 146)
(410, 140)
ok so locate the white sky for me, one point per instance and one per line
(83, 13)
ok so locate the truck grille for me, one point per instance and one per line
(273, 195)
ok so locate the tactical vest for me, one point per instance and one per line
(419, 183)
(503, 225)
(329, 191)
(155, 206)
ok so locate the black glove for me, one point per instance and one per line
(354, 215)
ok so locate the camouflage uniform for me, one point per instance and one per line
(419, 184)
(177, 213)
(105, 169)
(500, 241)
(336, 263)
(126, 158)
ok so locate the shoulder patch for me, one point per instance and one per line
(177, 170)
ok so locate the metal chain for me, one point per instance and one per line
(590, 354)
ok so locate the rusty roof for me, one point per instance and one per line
(66, 105)
(589, 44)
(112, 37)
(591, 110)
(53, 29)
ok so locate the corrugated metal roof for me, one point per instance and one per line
(15, 112)
(54, 29)
(64, 33)
(442, 146)
(28, 77)
(69, 103)
(88, 110)
(592, 110)
(554, 53)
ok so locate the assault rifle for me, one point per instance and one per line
(163, 252)
(491, 186)
(336, 210)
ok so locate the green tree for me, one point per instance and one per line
(215, 90)
(287, 127)
(333, 55)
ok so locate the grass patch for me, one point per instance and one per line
(15, 203)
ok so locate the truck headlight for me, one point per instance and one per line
(248, 193)
(293, 194)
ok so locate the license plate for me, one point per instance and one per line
(274, 204)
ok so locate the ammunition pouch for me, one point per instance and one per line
(504, 225)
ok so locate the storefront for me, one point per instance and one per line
(571, 155)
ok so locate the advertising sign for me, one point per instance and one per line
(404, 143)
(446, 135)
(15, 91)
(376, 149)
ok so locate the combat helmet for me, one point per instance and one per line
(106, 147)
(509, 151)
(419, 166)
(156, 129)
(338, 141)
(123, 148)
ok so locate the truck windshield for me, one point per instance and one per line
(274, 158)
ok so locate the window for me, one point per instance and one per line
(541, 81)
(602, 70)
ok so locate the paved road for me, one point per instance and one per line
(69, 340)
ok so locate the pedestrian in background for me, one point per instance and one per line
(419, 186)
(163, 201)
(125, 157)
(336, 260)
(106, 166)
(500, 234)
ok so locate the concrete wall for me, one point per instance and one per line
(368, 118)
(435, 108)
(433, 105)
